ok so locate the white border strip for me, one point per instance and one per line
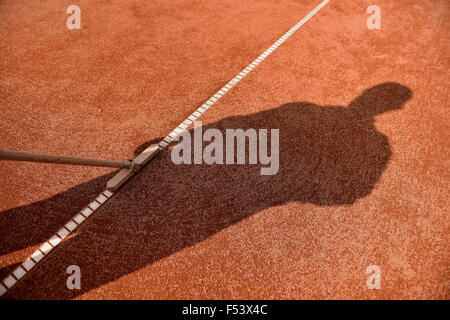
(50, 244)
(209, 103)
(73, 224)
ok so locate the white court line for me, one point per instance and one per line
(219, 94)
(33, 260)
(81, 217)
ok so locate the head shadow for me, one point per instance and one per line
(388, 96)
(328, 156)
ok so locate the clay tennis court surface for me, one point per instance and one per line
(364, 149)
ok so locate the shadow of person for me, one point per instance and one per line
(328, 156)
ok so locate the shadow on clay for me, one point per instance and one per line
(329, 156)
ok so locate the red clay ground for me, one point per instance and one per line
(356, 186)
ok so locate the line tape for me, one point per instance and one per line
(211, 101)
(81, 217)
(40, 253)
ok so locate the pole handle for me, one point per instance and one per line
(46, 158)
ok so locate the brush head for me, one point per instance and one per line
(136, 165)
